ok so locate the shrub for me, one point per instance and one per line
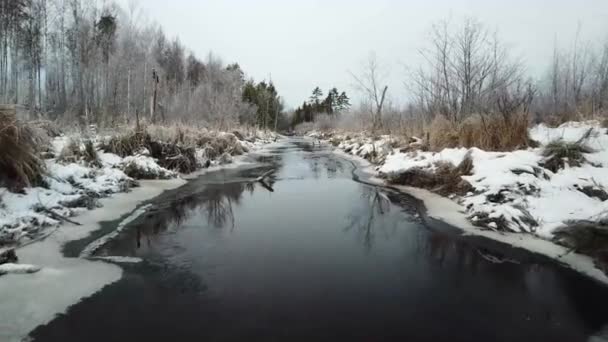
(20, 162)
(140, 167)
(558, 153)
(584, 236)
(77, 150)
(50, 128)
(442, 134)
(126, 144)
(445, 180)
(174, 147)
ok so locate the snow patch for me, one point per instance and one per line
(120, 259)
(18, 269)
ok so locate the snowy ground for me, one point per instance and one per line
(33, 291)
(524, 189)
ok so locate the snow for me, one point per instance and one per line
(103, 180)
(398, 162)
(110, 159)
(120, 259)
(18, 269)
(147, 165)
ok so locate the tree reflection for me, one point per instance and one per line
(215, 202)
(363, 219)
(330, 164)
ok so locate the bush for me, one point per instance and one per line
(443, 134)
(445, 180)
(77, 150)
(558, 153)
(20, 162)
(141, 167)
(124, 145)
(50, 128)
(174, 147)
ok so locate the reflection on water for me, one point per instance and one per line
(215, 202)
(368, 217)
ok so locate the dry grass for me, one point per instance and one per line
(125, 144)
(587, 237)
(490, 133)
(443, 134)
(50, 128)
(558, 153)
(445, 180)
(77, 150)
(20, 162)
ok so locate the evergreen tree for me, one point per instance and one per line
(317, 94)
(343, 102)
(331, 102)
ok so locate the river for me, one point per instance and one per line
(317, 255)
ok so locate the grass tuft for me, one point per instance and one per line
(20, 162)
(558, 153)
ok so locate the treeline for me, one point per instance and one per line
(334, 103)
(470, 78)
(268, 104)
(77, 61)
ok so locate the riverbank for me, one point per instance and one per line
(78, 171)
(29, 300)
(502, 187)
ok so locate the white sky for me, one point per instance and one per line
(302, 44)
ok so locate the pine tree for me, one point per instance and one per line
(343, 102)
(317, 94)
(331, 102)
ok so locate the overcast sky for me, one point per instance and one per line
(302, 44)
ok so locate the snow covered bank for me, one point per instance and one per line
(510, 192)
(34, 291)
(80, 175)
(34, 299)
(509, 186)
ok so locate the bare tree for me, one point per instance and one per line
(369, 82)
(467, 71)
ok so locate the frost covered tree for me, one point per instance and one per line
(87, 62)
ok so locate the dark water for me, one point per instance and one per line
(318, 256)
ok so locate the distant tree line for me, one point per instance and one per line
(268, 104)
(81, 61)
(467, 71)
(334, 103)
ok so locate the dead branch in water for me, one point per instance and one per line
(262, 180)
(59, 217)
(265, 175)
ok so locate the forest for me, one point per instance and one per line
(89, 63)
